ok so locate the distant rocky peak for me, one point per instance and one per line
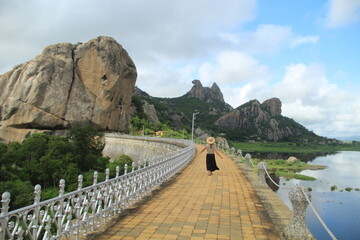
(217, 91)
(273, 106)
(205, 93)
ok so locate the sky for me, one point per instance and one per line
(306, 53)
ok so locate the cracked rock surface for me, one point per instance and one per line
(89, 83)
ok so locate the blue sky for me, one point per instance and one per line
(304, 52)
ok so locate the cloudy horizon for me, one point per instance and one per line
(305, 54)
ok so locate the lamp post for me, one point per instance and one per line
(192, 125)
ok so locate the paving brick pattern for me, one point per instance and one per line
(197, 206)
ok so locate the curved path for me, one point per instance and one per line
(197, 206)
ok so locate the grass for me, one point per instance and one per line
(288, 175)
(288, 169)
(290, 147)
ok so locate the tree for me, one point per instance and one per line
(88, 144)
(120, 161)
(21, 193)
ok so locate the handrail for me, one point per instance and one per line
(86, 209)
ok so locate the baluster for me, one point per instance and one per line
(61, 187)
(35, 219)
(78, 207)
(139, 164)
(47, 234)
(68, 226)
(60, 209)
(107, 173)
(93, 209)
(20, 233)
(117, 171)
(95, 177)
(125, 169)
(133, 166)
(5, 200)
(80, 181)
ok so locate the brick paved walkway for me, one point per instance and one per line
(197, 206)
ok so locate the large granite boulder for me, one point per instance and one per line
(90, 83)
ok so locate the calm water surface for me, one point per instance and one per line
(339, 209)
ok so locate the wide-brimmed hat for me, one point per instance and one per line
(210, 140)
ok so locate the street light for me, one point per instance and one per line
(192, 125)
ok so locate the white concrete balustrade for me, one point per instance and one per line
(79, 212)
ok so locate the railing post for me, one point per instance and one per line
(107, 174)
(239, 152)
(125, 168)
(60, 214)
(139, 164)
(248, 161)
(117, 170)
(35, 219)
(95, 177)
(5, 200)
(297, 229)
(262, 175)
(80, 181)
(61, 187)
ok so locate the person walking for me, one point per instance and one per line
(210, 156)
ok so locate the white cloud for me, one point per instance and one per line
(267, 38)
(233, 67)
(149, 30)
(308, 82)
(307, 96)
(172, 42)
(300, 40)
(342, 12)
(305, 114)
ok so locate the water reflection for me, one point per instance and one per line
(339, 209)
(271, 184)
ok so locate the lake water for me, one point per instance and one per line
(339, 209)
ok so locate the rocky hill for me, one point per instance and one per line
(252, 121)
(264, 122)
(177, 112)
(66, 84)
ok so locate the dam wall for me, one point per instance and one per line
(139, 148)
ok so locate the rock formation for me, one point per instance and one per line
(150, 111)
(90, 83)
(146, 107)
(262, 118)
(205, 93)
